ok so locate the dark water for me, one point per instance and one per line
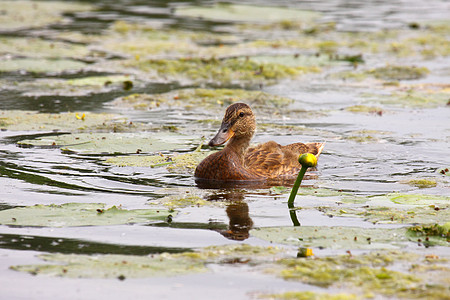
(416, 144)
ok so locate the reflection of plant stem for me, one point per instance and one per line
(294, 219)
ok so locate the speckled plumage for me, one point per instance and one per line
(238, 161)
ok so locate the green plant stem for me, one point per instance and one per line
(297, 183)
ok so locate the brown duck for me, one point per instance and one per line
(238, 161)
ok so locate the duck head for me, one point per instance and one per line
(238, 123)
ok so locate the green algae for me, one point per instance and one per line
(18, 15)
(433, 234)
(308, 295)
(205, 98)
(391, 215)
(113, 266)
(222, 71)
(399, 72)
(428, 42)
(412, 98)
(178, 163)
(334, 237)
(129, 266)
(181, 201)
(369, 274)
(247, 13)
(35, 47)
(366, 136)
(41, 65)
(72, 87)
(390, 74)
(365, 109)
(78, 214)
(111, 143)
(32, 121)
(421, 183)
(418, 199)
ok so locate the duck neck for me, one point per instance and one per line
(239, 146)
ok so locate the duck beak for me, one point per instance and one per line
(225, 133)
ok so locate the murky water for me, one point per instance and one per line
(366, 154)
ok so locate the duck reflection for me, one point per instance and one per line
(237, 212)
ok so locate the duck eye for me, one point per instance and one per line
(241, 114)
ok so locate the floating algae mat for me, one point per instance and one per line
(111, 143)
(128, 266)
(39, 65)
(74, 87)
(370, 274)
(433, 234)
(113, 266)
(334, 237)
(220, 71)
(178, 163)
(78, 214)
(206, 98)
(19, 120)
(18, 15)
(390, 214)
(19, 46)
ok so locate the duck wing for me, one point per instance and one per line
(300, 148)
(272, 160)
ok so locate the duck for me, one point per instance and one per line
(238, 161)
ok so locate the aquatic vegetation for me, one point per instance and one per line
(222, 71)
(367, 273)
(366, 136)
(365, 109)
(308, 295)
(206, 98)
(18, 15)
(31, 121)
(442, 231)
(35, 65)
(177, 201)
(130, 266)
(413, 98)
(421, 183)
(120, 267)
(390, 214)
(36, 47)
(177, 163)
(334, 237)
(418, 199)
(72, 87)
(78, 214)
(111, 143)
(399, 72)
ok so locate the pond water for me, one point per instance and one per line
(371, 79)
